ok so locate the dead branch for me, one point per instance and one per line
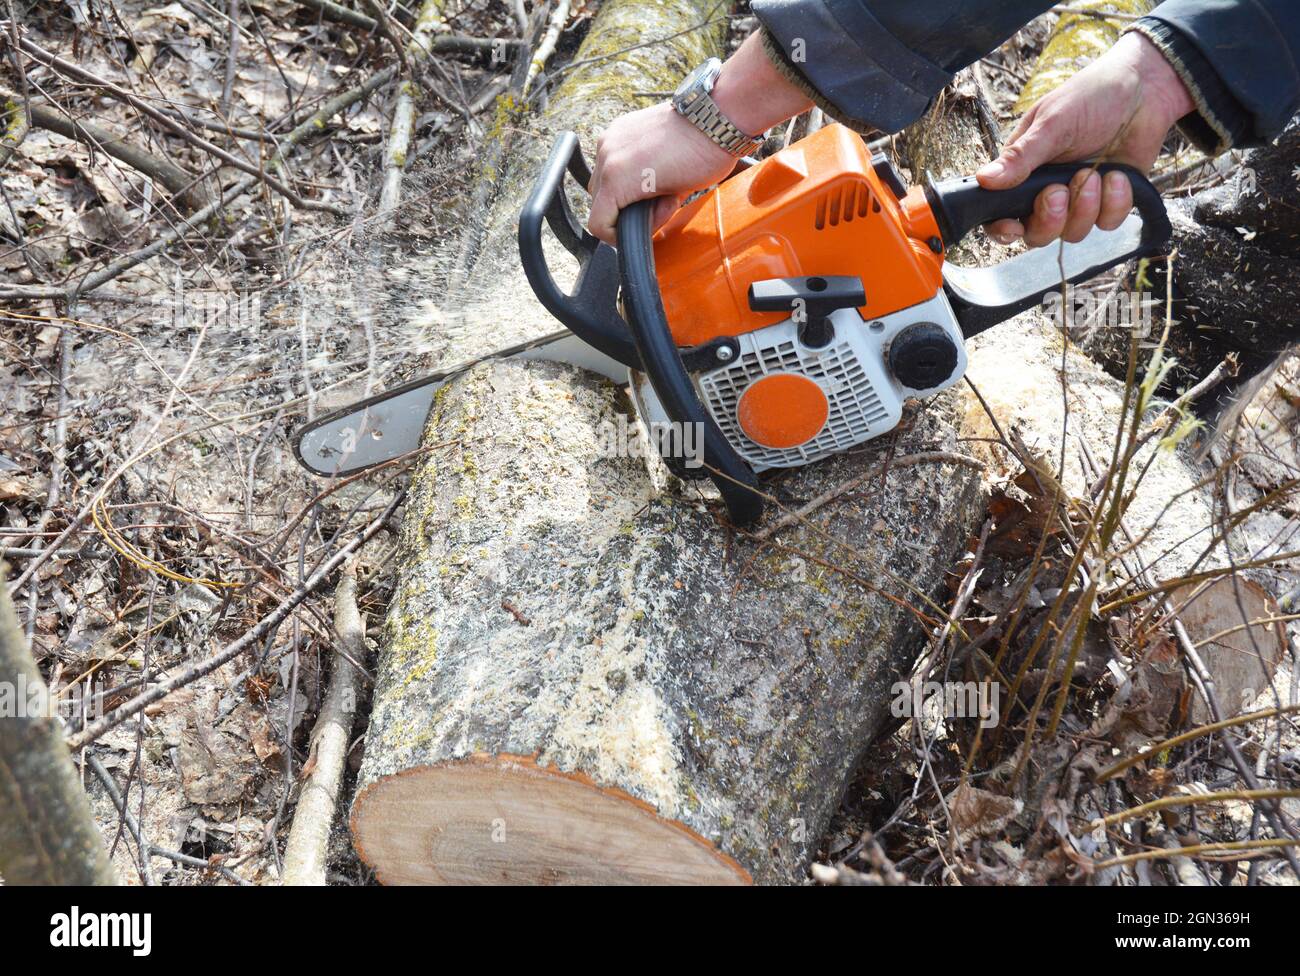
(399, 135)
(389, 31)
(47, 833)
(182, 184)
(14, 127)
(312, 126)
(342, 15)
(128, 818)
(546, 46)
(307, 848)
(441, 44)
(232, 650)
(79, 74)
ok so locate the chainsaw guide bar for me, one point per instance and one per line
(388, 425)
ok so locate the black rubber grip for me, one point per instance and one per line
(662, 364)
(961, 205)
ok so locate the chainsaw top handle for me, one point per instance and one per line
(662, 363)
(983, 297)
(591, 311)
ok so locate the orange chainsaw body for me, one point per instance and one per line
(815, 208)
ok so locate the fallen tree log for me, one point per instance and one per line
(584, 677)
(583, 681)
(1234, 281)
(47, 833)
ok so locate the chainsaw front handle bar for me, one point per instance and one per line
(983, 297)
(591, 311)
(662, 363)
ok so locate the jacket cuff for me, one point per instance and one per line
(848, 62)
(772, 48)
(1219, 122)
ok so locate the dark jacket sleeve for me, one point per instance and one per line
(1238, 59)
(879, 63)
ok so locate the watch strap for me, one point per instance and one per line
(704, 114)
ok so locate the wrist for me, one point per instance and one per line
(1161, 86)
(753, 94)
(691, 135)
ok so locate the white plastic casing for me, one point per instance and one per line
(864, 398)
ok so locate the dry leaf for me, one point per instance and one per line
(25, 489)
(979, 813)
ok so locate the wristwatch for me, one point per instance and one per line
(693, 101)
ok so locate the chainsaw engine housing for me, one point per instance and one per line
(821, 210)
(822, 207)
(864, 398)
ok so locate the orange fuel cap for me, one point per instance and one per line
(782, 410)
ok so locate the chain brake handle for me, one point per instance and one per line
(643, 341)
(590, 311)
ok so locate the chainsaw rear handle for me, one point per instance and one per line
(591, 311)
(983, 297)
(662, 363)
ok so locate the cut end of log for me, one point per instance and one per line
(502, 819)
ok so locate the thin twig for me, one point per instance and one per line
(233, 649)
(1224, 846)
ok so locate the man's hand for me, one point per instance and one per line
(1119, 108)
(656, 153)
(653, 152)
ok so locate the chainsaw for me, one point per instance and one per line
(785, 315)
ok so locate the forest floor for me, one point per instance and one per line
(152, 509)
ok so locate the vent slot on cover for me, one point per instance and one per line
(843, 203)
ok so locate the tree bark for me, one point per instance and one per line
(47, 833)
(584, 681)
(583, 677)
(1234, 280)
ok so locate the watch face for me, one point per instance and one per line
(705, 72)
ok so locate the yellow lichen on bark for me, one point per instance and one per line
(1077, 39)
